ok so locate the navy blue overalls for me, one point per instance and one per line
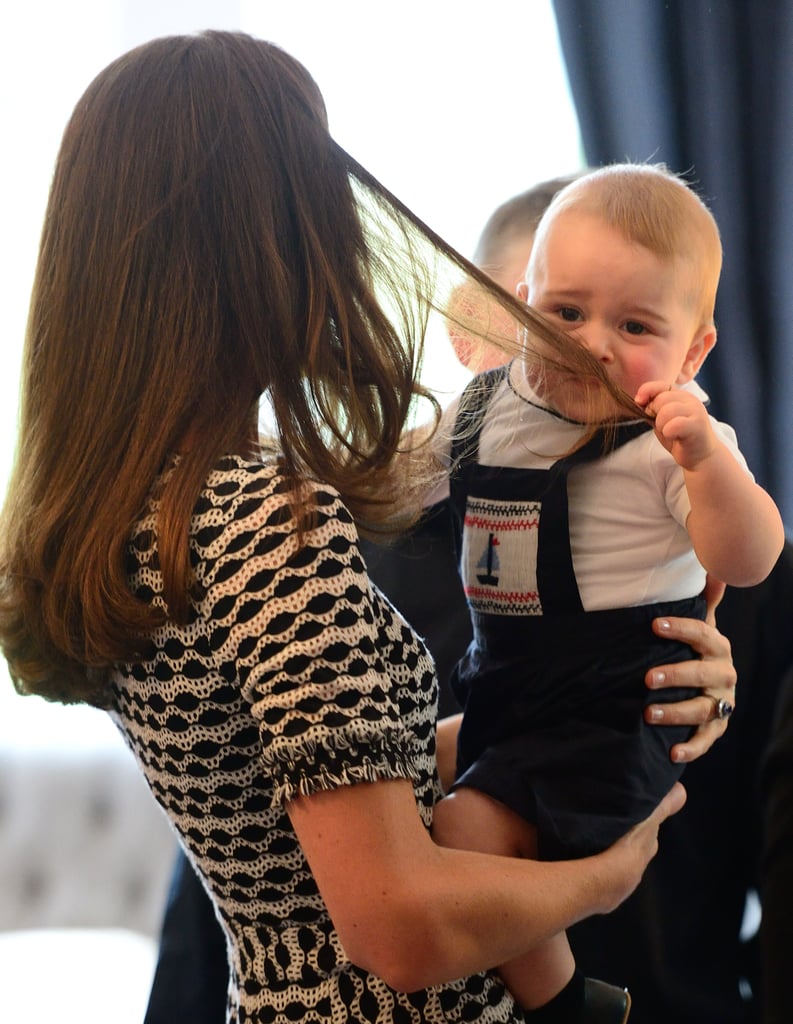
(553, 696)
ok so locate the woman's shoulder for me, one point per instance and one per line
(237, 482)
(248, 504)
(236, 479)
(248, 496)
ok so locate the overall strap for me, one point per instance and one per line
(471, 414)
(606, 440)
(475, 399)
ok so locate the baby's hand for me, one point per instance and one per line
(682, 424)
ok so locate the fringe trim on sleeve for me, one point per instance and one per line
(328, 767)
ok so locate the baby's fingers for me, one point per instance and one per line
(648, 391)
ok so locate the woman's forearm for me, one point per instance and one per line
(417, 914)
(470, 912)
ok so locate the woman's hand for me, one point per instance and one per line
(630, 855)
(713, 673)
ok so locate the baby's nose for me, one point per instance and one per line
(597, 340)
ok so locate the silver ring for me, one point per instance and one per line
(721, 708)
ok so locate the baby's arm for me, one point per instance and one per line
(735, 527)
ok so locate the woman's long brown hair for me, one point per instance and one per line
(206, 242)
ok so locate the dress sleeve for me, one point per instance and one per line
(307, 634)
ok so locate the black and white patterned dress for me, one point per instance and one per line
(294, 675)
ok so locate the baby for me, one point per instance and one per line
(594, 544)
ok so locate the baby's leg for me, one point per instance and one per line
(470, 820)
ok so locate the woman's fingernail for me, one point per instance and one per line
(656, 714)
(659, 678)
(679, 756)
(665, 625)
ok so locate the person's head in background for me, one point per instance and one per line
(627, 259)
(503, 252)
(505, 243)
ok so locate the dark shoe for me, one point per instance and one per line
(605, 1004)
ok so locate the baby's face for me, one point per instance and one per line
(616, 297)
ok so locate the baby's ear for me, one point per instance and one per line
(702, 343)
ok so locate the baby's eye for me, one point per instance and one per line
(634, 327)
(569, 314)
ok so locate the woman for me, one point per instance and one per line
(206, 243)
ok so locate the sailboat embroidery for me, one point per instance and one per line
(489, 562)
(498, 560)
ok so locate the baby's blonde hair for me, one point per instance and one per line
(649, 205)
